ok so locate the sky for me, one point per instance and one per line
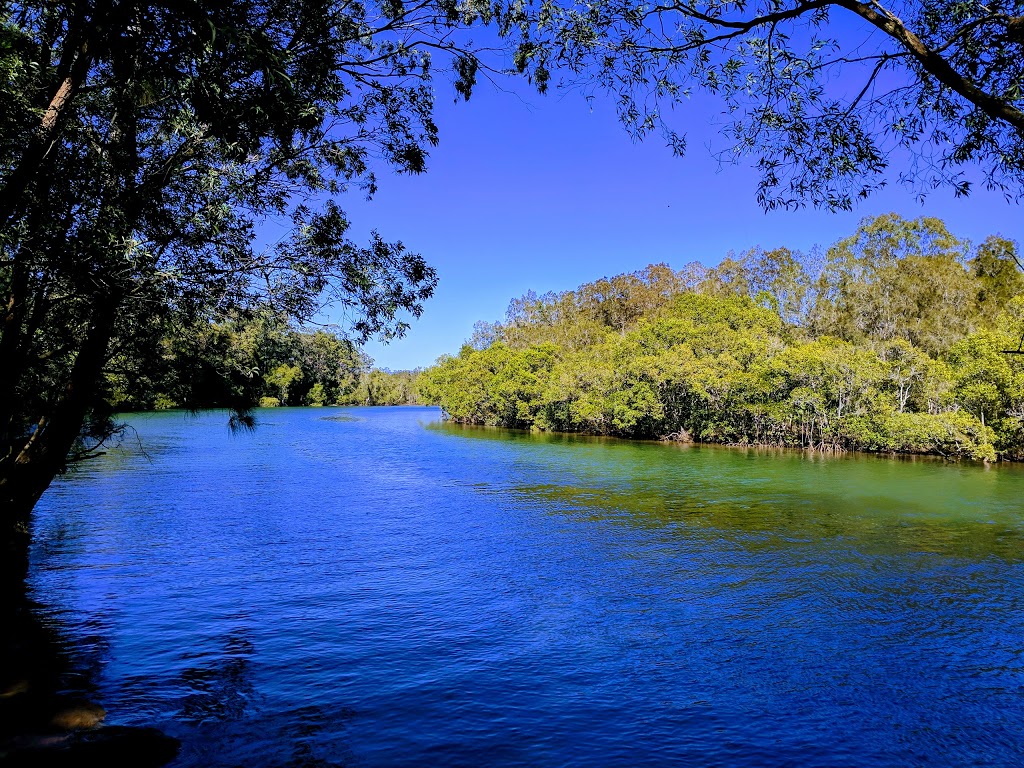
(544, 193)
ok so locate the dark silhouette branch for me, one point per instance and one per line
(933, 63)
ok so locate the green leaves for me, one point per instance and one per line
(708, 353)
(830, 100)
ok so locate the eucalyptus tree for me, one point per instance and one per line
(913, 279)
(149, 150)
(829, 96)
(996, 265)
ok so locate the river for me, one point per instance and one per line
(373, 587)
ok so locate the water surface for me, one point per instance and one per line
(372, 587)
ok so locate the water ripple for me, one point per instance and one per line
(371, 587)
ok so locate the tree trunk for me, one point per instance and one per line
(31, 167)
(12, 347)
(25, 475)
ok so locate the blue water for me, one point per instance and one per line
(371, 587)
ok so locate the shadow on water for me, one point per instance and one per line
(47, 714)
(289, 738)
(222, 691)
(34, 668)
(228, 724)
(48, 718)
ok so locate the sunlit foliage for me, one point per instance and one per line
(893, 340)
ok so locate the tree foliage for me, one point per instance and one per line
(164, 165)
(828, 96)
(892, 340)
(252, 358)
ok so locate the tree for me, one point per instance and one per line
(898, 278)
(997, 267)
(827, 95)
(281, 379)
(147, 150)
(879, 353)
(777, 278)
(331, 367)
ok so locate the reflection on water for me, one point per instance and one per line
(896, 503)
(376, 587)
(220, 689)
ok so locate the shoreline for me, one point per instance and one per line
(667, 440)
(827, 452)
(45, 721)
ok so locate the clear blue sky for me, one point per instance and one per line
(545, 193)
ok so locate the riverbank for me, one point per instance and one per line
(682, 438)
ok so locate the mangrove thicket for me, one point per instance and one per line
(896, 338)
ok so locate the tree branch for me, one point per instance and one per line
(935, 64)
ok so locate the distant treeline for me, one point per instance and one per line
(894, 339)
(254, 358)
